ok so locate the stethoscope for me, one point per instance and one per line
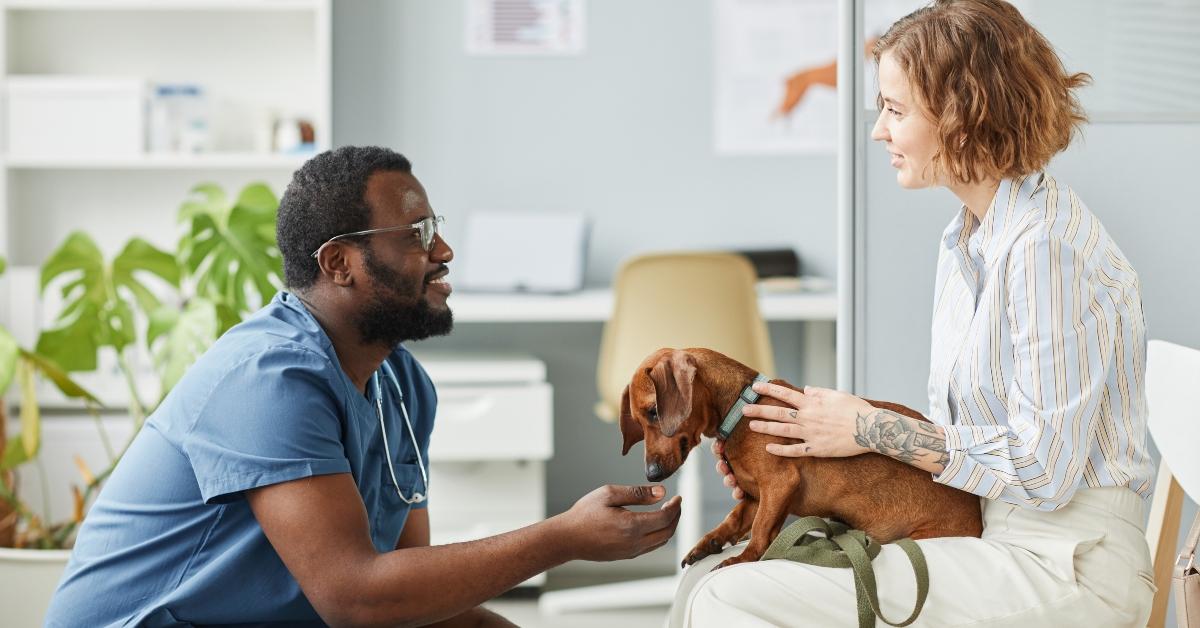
(416, 497)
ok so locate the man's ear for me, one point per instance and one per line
(673, 377)
(631, 430)
(334, 260)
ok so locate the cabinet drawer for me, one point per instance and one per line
(493, 423)
(473, 500)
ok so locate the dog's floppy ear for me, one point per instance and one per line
(673, 377)
(631, 430)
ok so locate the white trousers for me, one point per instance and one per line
(1085, 564)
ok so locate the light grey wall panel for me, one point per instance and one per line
(622, 132)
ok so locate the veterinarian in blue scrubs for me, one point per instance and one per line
(1037, 364)
(285, 478)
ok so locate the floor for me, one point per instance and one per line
(525, 613)
(520, 606)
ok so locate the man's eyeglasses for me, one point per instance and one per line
(427, 229)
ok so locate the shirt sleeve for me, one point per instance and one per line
(273, 417)
(1061, 327)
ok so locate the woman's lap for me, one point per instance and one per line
(1079, 565)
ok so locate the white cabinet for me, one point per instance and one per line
(492, 437)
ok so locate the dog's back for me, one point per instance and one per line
(880, 495)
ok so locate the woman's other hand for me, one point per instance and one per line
(718, 449)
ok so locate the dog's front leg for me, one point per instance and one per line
(768, 520)
(730, 531)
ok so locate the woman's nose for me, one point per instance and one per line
(879, 131)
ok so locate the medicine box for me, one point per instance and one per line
(75, 116)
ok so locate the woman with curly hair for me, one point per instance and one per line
(1036, 386)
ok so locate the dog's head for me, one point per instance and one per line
(663, 406)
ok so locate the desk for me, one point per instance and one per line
(819, 308)
(596, 305)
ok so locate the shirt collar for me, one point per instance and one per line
(1009, 209)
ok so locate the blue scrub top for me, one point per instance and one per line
(171, 541)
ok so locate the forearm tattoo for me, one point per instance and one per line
(903, 438)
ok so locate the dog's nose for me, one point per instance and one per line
(654, 472)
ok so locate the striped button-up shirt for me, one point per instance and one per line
(1039, 351)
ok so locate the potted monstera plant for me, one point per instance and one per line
(170, 306)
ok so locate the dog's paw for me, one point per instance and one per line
(729, 562)
(706, 547)
(693, 557)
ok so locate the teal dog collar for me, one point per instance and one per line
(734, 415)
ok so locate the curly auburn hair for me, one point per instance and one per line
(1001, 99)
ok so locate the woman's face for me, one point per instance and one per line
(904, 128)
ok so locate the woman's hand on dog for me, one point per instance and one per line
(824, 421)
(599, 527)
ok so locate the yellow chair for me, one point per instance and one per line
(680, 300)
(671, 300)
(1172, 372)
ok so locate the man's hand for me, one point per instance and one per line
(601, 528)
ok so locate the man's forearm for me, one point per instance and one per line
(421, 585)
(919, 443)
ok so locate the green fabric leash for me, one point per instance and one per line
(843, 547)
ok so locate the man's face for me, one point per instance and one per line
(406, 287)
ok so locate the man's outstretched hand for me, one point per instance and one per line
(601, 528)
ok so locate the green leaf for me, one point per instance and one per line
(60, 378)
(14, 454)
(161, 322)
(100, 298)
(141, 256)
(8, 359)
(78, 253)
(3, 264)
(31, 419)
(74, 345)
(185, 336)
(230, 250)
(204, 199)
(259, 198)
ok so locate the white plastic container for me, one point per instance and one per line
(75, 116)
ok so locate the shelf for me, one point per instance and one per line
(596, 306)
(161, 5)
(151, 161)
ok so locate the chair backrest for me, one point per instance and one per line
(1172, 381)
(680, 300)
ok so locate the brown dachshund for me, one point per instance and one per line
(677, 396)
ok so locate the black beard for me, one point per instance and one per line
(389, 318)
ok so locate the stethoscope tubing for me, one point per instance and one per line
(387, 452)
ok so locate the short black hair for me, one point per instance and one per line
(327, 197)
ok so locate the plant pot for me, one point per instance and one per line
(27, 581)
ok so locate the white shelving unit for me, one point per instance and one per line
(254, 58)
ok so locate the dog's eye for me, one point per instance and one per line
(652, 414)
